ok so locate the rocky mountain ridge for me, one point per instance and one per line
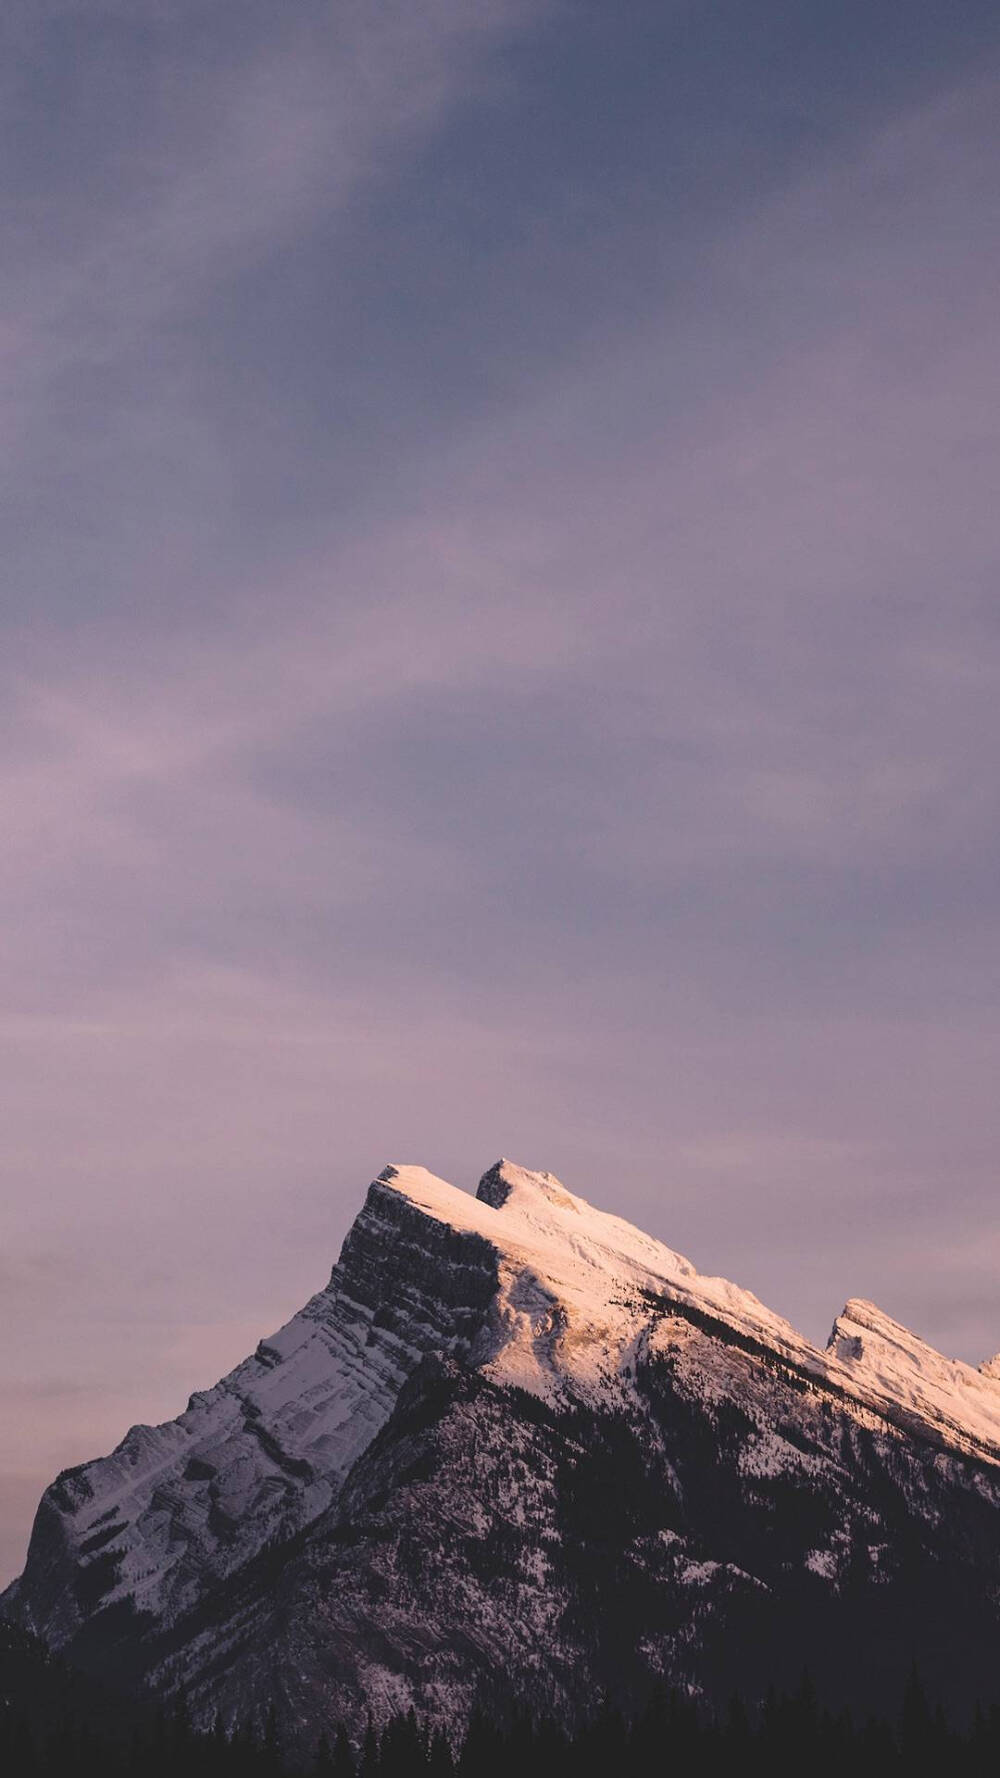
(517, 1443)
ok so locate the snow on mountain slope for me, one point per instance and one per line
(525, 1283)
(575, 1281)
(891, 1367)
(178, 1507)
(678, 1486)
(594, 1274)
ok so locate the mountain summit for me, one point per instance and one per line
(516, 1447)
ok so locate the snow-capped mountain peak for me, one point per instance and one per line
(596, 1277)
(892, 1365)
(445, 1315)
(505, 1179)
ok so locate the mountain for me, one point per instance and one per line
(518, 1449)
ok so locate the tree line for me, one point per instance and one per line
(53, 1725)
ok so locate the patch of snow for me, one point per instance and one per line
(697, 1574)
(823, 1563)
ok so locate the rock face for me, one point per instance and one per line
(516, 1448)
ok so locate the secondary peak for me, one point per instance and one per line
(505, 1179)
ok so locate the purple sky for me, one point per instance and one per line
(501, 654)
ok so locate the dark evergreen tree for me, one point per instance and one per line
(343, 1764)
(323, 1758)
(369, 1765)
(402, 1752)
(440, 1763)
(482, 1750)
